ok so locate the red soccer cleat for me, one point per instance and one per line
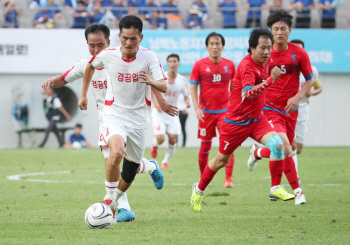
(228, 183)
(165, 165)
(154, 151)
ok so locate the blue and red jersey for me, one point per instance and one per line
(242, 110)
(291, 61)
(214, 80)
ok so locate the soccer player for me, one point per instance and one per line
(303, 114)
(214, 75)
(162, 122)
(132, 71)
(282, 99)
(97, 37)
(243, 118)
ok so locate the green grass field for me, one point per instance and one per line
(52, 212)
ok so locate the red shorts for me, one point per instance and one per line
(283, 123)
(206, 129)
(232, 136)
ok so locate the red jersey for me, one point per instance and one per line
(242, 110)
(291, 61)
(214, 80)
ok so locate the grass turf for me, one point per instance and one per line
(52, 212)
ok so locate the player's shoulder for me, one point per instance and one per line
(146, 51)
(295, 48)
(202, 61)
(227, 61)
(181, 77)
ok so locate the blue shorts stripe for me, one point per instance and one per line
(214, 111)
(241, 123)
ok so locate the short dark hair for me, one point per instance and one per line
(298, 41)
(214, 34)
(173, 55)
(96, 28)
(130, 21)
(255, 34)
(78, 125)
(280, 15)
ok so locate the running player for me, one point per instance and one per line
(214, 75)
(282, 99)
(243, 118)
(303, 114)
(131, 72)
(162, 122)
(97, 36)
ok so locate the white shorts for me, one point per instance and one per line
(300, 131)
(134, 140)
(165, 124)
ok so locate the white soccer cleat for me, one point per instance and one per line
(252, 161)
(300, 198)
(112, 204)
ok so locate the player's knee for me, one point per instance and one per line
(129, 170)
(172, 140)
(288, 152)
(160, 139)
(221, 161)
(116, 156)
(275, 144)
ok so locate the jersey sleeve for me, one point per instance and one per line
(155, 68)
(76, 72)
(305, 65)
(248, 77)
(57, 103)
(98, 60)
(184, 90)
(194, 78)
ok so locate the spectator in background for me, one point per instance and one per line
(255, 13)
(147, 13)
(328, 12)
(193, 19)
(171, 8)
(158, 21)
(77, 140)
(303, 8)
(118, 13)
(43, 18)
(52, 106)
(136, 3)
(105, 3)
(203, 13)
(229, 16)
(10, 14)
(81, 16)
(276, 5)
(98, 12)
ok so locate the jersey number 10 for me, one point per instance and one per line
(216, 78)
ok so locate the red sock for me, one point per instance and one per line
(276, 170)
(262, 152)
(290, 172)
(229, 167)
(204, 154)
(206, 178)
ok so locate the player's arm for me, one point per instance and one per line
(165, 105)
(254, 91)
(54, 82)
(160, 85)
(65, 113)
(89, 72)
(187, 101)
(317, 89)
(194, 93)
(155, 102)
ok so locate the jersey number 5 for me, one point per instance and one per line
(283, 69)
(216, 78)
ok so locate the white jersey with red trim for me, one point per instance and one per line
(127, 99)
(179, 86)
(302, 81)
(98, 83)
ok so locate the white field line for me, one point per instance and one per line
(19, 177)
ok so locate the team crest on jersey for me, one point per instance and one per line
(293, 56)
(207, 70)
(225, 67)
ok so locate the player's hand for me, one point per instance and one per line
(292, 104)
(47, 84)
(144, 78)
(168, 108)
(188, 104)
(308, 94)
(68, 117)
(276, 73)
(200, 115)
(83, 101)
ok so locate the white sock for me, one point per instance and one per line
(169, 153)
(146, 166)
(297, 190)
(258, 152)
(199, 191)
(119, 193)
(123, 202)
(155, 142)
(111, 188)
(295, 159)
(274, 188)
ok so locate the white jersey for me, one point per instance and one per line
(127, 99)
(98, 83)
(304, 100)
(179, 86)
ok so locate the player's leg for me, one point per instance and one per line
(183, 117)
(170, 150)
(159, 131)
(294, 155)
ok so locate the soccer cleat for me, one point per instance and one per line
(300, 198)
(228, 183)
(111, 204)
(125, 215)
(154, 151)
(281, 194)
(157, 176)
(196, 199)
(252, 161)
(165, 165)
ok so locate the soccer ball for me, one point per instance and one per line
(77, 145)
(98, 216)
